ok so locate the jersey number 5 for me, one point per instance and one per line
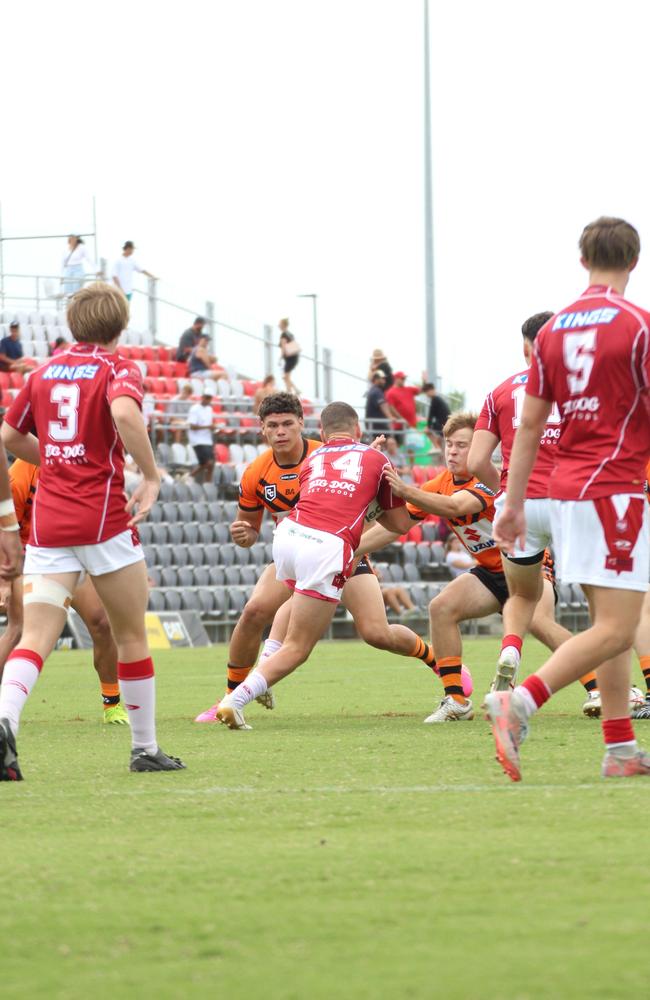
(579, 350)
(66, 398)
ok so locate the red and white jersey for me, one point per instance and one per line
(501, 415)
(593, 360)
(66, 403)
(337, 484)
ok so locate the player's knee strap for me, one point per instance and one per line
(39, 589)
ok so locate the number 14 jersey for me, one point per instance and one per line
(80, 497)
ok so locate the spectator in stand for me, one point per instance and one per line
(124, 269)
(289, 355)
(457, 557)
(59, 346)
(200, 359)
(74, 265)
(201, 421)
(398, 455)
(438, 416)
(190, 338)
(12, 357)
(177, 411)
(379, 413)
(379, 360)
(402, 398)
(267, 388)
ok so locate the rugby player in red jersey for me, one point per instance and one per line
(498, 422)
(593, 360)
(313, 547)
(468, 507)
(83, 406)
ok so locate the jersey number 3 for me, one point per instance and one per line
(66, 398)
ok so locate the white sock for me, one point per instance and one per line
(512, 651)
(19, 677)
(622, 749)
(138, 691)
(527, 703)
(271, 646)
(250, 689)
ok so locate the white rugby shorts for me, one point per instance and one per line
(538, 525)
(602, 542)
(309, 561)
(104, 557)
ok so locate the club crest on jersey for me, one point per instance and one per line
(270, 492)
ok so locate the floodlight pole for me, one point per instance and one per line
(314, 301)
(430, 329)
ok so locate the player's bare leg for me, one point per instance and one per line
(125, 593)
(14, 630)
(308, 620)
(615, 614)
(463, 598)
(93, 614)
(642, 650)
(268, 595)
(43, 622)
(525, 589)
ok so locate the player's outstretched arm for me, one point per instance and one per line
(133, 434)
(459, 505)
(479, 459)
(375, 538)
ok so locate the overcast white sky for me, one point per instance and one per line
(258, 149)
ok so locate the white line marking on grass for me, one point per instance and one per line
(374, 789)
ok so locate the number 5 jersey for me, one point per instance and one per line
(66, 403)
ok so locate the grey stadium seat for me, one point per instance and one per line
(145, 531)
(166, 491)
(423, 553)
(175, 533)
(181, 491)
(430, 531)
(159, 534)
(236, 602)
(396, 573)
(215, 511)
(170, 512)
(169, 577)
(172, 600)
(154, 576)
(206, 600)
(190, 600)
(201, 512)
(164, 555)
(180, 555)
(242, 555)
(209, 491)
(156, 513)
(191, 533)
(196, 555)
(205, 533)
(186, 576)
(201, 576)
(409, 552)
(233, 578)
(156, 600)
(225, 553)
(221, 533)
(249, 575)
(211, 555)
(217, 576)
(220, 601)
(185, 512)
(412, 573)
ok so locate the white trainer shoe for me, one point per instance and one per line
(592, 706)
(231, 716)
(507, 667)
(451, 710)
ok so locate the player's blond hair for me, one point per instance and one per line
(609, 244)
(458, 422)
(98, 313)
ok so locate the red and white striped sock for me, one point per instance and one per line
(20, 675)
(534, 693)
(619, 737)
(138, 690)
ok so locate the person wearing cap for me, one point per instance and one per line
(379, 412)
(200, 421)
(402, 398)
(379, 360)
(11, 352)
(190, 338)
(124, 269)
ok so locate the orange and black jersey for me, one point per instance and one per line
(23, 477)
(266, 485)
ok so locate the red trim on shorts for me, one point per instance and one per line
(27, 654)
(291, 584)
(139, 670)
(315, 594)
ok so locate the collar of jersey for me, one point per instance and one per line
(601, 290)
(461, 482)
(78, 348)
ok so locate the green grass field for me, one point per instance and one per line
(341, 848)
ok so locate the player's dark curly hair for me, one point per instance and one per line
(280, 402)
(534, 324)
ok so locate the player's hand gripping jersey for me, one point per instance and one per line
(80, 498)
(337, 484)
(267, 485)
(501, 415)
(474, 530)
(593, 360)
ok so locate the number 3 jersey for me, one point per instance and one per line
(593, 360)
(66, 403)
(337, 483)
(501, 415)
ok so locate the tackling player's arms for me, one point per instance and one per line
(459, 504)
(479, 459)
(23, 446)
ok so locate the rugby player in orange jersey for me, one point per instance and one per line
(468, 506)
(271, 483)
(23, 478)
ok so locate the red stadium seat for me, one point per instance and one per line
(222, 453)
(180, 369)
(171, 386)
(154, 369)
(250, 388)
(167, 369)
(164, 353)
(4, 381)
(149, 353)
(136, 353)
(419, 474)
